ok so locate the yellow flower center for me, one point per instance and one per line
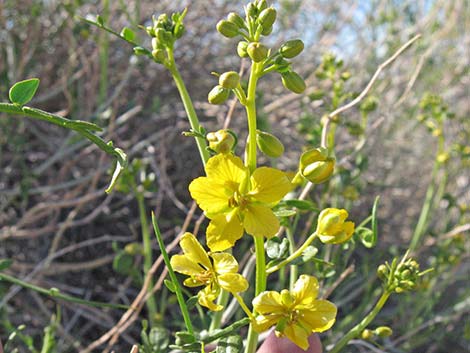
(205, 277)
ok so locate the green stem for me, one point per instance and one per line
(104, 53)
(293, 268)
(54, 293)
(189, 108)
(293, 256)
(148, 261)
(356, 330)
(251, 115)
(178, 292)
(216, 320)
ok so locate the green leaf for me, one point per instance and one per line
(123, 263)
(159, 338)
(191, 302)
(301, 204)
(276, 248)
(22, 92)
(309, 253)
(374, 220)
(230, 344)
(121, 163)
(366, 236)
(170, 285)
(128, 34)
(5, 263)
(99, 20)
(284, 212)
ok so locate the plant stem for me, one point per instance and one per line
(293, 256)
(188, 106)
(216, 321)
(356, 330)
(178, 292)
(148, 261)
(251, 115)
(104, 53)
(54, 293)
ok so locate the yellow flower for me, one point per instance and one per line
(215, 271)
(234, 200)
(332, 228)
(296, 314)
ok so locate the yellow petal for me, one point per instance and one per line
(298, 335)
(224, 263)
(319, 317)
(269, 185)
(206, 298)
(210, 195)
(194, 251)
(185, 265)
(260, 221)
(305, 290)
(262, 322)
(222, 235)
(268, 302)
(226, 168)
(233, 282)
(193, 282)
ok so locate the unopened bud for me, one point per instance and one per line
(236, 19)
(316, 165)
(218, 95)
(293, 82)
(229, 80)
(382, 272)
(269, 144)
(291, 48)
(159, 55)
(221, 141)
(383, 331)
(257, 51)
(261, 4)
(367, 334)
(267, 17)
(241, 49)
(227, 29)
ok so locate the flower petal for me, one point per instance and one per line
(233, 282)
(224, 263)
(185, 265)
(305, 290)
(298, 335)
(194, 251)
(269, 185)
(268, 302)
(206, 297)
(210, 195)
(260, 221)
(226, 168)
(222, 234)
(262, 322)
(319, 317)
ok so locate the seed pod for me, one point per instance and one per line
(316, 165)
(241, 49)
(257, 51)
(293, 82)
(218, 95)
(291, 48)
(229, 80)
(236, 19)
(227, 29)
(267, 17)
(221, 141)
(269, 144)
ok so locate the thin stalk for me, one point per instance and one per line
(189, 108)
(104, 56)
(293, 269)
(356, 330)
(216, 321)
(251, 115)
(148, 261)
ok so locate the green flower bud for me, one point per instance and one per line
(241, 49)
(261, 4)
(267, 17)
(369, 104)
(159, 55)
(218, 95)
(267, 31)
(251, 10)
(291, 48)
(236, 19)
(383, 331)
(229, 80)
(165, 38)
(140, 51)
(269, 144)
(257, 51)
(221, 141)
(367, 334)
(133, 248)
(382, 272)
(150, 31)
(179, 31)
(293, 82)
(227, 29)
(345, 75)
(316, 165)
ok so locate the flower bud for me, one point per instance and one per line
(229, 80)
(266, 31)
(257, 51)
(261, 4)
(150, 31)
(251, 10)
(269, 144)
(383, 331)
(267, 17)
(155, 43)
(227, 29)
(218, 95)
(158, 55)
(165, 38)
(236, 19)
(221, 141)
(316, 165)
(382, 272)
(332, 228)
(367, 334)
(241, 49)
(293, 82)
(443, 157)
(291, 48)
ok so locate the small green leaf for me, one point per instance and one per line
(284, 212)
(191, 302)
(99, 20)
(366, 236)
(309, 253)
(22, 92)
(169, 284)
(123, 262)
(159, 338)
(230, 344)
(128, 34)
(5, 263)
(276, 248)
(301, 204)
(374, 220)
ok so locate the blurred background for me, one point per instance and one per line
(407, 142)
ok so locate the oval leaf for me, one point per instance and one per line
(5, 263)
(128, 34)
(22, 92)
